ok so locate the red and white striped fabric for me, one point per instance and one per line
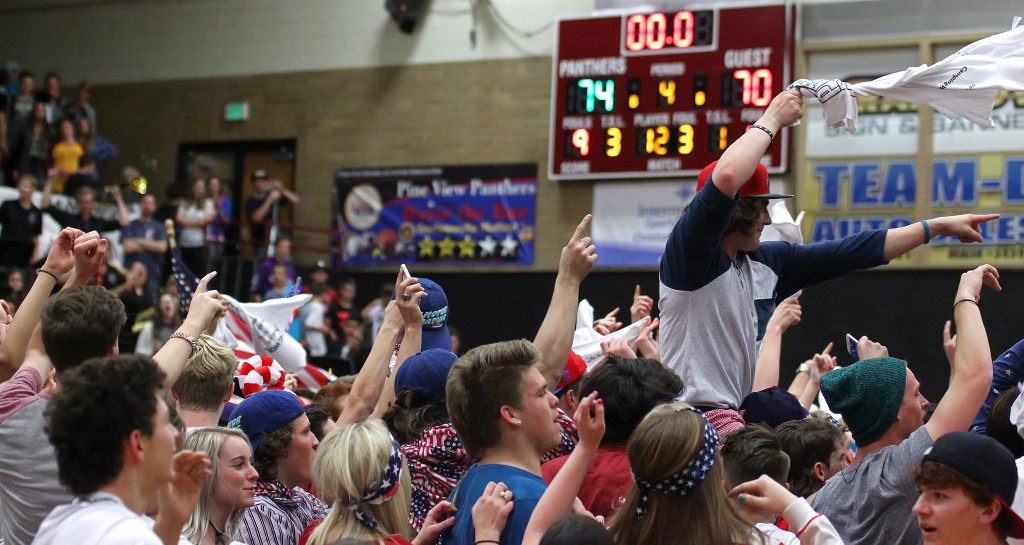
(258, 373)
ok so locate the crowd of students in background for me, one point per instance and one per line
(675, 432)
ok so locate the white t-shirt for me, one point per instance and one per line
(100, 519)
(313, 316)
(194, 237)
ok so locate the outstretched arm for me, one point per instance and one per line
(966, 228)
(971, 371)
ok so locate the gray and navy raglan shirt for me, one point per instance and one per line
(714, 311)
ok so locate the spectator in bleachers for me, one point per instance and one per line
(314, 317)
(194, 214)
(355, 349)
(283, 447)
(320, 275)
(220, 224)
(228, 492)
(280, 284)
(205, 384)
(84, 220)
(880, 399)
(263, 278)
(145, 240)
(84, 104)
(15, 292)
(373, 312)
(19, 115)
(137, 297)
(115, 447)
(22, 224)
(36, 141)
(84, 177)
(51, 97)
(816, 453)
(259, 208)
(65, 153)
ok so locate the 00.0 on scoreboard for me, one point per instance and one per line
(664, 93)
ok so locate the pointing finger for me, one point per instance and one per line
(581, 228)
(201, 288)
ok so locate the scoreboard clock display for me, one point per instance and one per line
(659, 94)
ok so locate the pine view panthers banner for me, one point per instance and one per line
(471, 215)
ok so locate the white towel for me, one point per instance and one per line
(964, 84)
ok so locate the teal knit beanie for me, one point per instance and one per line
(868, 394)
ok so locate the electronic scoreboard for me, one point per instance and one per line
(663, 93)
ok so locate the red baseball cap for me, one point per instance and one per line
(756, 187)
(575, 367)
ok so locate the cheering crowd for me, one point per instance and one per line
(691, 441)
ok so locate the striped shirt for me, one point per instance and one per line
(279, 515)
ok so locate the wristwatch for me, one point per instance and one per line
(803, 368)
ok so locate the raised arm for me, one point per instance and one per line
(558, 499)
(740, 160)
(206, 306)
(369, 383)
(971, 372)
(818, 365)
(122, 210)
(554, 339)
(966, 228)
(59, 262)
(412, 340)
(766, 370)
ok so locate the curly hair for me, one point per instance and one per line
(98, 406)
(412, 413)
(271, 449)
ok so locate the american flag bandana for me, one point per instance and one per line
(681, 483)
(383, 490)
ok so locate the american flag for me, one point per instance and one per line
(185, 279)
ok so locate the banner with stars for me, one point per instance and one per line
(446, 215)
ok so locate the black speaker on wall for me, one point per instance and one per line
(405, 12)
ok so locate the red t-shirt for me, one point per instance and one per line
(606, 484)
